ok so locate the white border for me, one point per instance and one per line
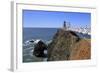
(17, 64)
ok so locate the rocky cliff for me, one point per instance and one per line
(67, 45)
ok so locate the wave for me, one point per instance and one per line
(83, 35)
(35, 41)
(28, 48)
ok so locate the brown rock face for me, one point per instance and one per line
(81, 50)
(67, 45)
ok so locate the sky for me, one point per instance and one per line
(52, 19)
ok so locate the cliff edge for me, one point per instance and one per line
(67, 45)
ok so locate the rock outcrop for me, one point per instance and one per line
(81, 50)
(39, 49)
(67, 45)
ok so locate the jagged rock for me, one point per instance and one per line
(32, 41)
(39, 49)
(60, 47)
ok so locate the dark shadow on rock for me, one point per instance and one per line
(39, 49)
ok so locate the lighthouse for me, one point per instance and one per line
(66, 26)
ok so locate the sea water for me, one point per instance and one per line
(44, 34)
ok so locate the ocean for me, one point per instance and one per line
(44, 34)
